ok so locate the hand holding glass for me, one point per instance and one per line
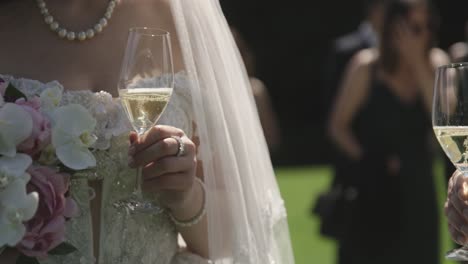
(450, 122)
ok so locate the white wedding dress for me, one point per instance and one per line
(245, 214)
(124, 239)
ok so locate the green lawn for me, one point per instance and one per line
(300, 186)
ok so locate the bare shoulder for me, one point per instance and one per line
(359, 66)
(438, 57)
(364, 58)
(258, 87)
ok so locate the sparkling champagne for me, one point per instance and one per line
(454, 141)
(144, 105)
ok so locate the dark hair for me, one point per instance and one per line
(369, 5)
(395, 11)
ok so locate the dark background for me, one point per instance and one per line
(291, 40)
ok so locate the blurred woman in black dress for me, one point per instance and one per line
(381, 120)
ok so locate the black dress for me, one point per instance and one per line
(395, 216)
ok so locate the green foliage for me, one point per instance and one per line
(12, 94)
(63, 249)
(26, 260)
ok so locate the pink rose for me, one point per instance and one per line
(41, 132)
(47, 228)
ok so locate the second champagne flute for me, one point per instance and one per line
(450, 122)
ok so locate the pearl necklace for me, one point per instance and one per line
(71, 35)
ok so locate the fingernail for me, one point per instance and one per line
(131, 150)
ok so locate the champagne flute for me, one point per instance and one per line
(145, 87)
(450, 123)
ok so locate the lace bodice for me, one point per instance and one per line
(145, 239)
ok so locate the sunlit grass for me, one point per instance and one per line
(300, 187)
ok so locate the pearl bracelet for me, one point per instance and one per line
(198, 217)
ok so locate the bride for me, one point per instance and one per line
(222, 196)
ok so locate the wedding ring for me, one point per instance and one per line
(181, 147)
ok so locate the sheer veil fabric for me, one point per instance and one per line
(247, 220)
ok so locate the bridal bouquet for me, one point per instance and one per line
(41, 142)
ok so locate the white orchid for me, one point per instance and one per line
(15, 126)
(72, 136)
(14, 168)
(16, 206)
(50, 98)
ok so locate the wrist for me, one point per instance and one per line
(192, 204)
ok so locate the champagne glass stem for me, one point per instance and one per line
(138, 193)
(138, 182)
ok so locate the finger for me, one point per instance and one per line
(133, 137)
(457, 194)
(196, 141)
(461, 188)
(169, 166)
(457, 236)
(455, 219)
(194, 127)
(458, 204)
(156, 134)
(169, 182)
(162, 149)
(451, 182)
(446, 208)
